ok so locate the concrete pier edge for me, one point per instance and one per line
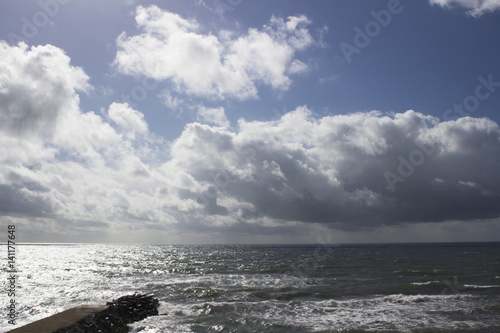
(59, 320)
(111, 318)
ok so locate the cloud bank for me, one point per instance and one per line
(475, 8)
(101, 176)
(73, 172)
(64, 171)
(332, 170)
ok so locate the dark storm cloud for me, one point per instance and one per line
(24, 200)
(352, 171)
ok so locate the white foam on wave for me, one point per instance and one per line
(383, 312)
(426, 283)
(173, 317)
(474, 286)
(223, 281)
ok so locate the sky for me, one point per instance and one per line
(238, 121)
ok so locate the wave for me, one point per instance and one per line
(426, 283)
(420, 272)
(379, 313)
(221, 289)
(473, 286)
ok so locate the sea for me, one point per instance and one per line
(448, 287)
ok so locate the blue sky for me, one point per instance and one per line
(228, 121)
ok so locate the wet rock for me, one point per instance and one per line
(116, 317)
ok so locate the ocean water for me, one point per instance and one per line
(316, 288)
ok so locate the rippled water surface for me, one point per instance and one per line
(376, 288)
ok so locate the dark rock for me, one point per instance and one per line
(116, 317)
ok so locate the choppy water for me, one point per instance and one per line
(375, 288)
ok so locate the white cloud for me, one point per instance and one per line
(90, 177)
(127, 118)
(172, 48)
(293, 30)
(332, 170)
(171, 102)
(69, 170)
(37, 85)
(476, 8)
(215, 116)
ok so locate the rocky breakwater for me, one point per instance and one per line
(118, 314)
